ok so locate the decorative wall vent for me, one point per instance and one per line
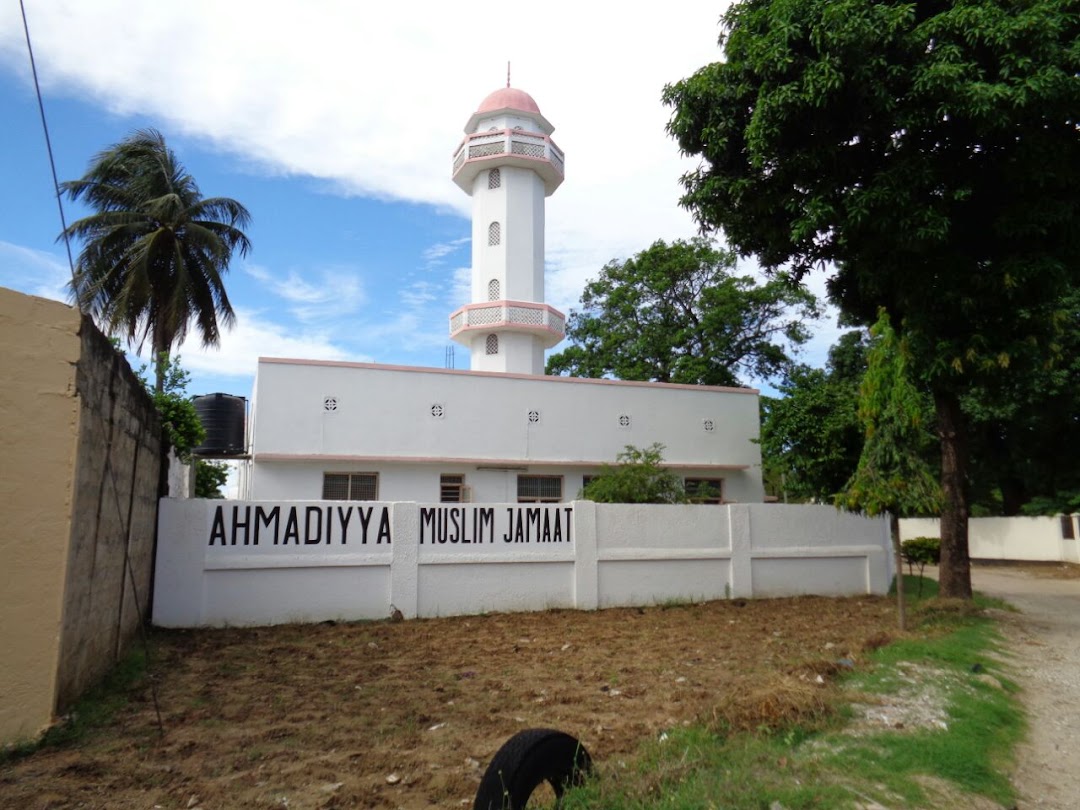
(437, 411)
(491, 344)
(624, 420)
(493, 290)
(494, 234)
(709, 425)
(329, 403)
(494, 179)
(534, 417)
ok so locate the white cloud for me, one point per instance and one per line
(254, 337)
(34, 271)
(434, 255)
(336, 293)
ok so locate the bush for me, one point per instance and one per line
(638, 477)
(921, 551)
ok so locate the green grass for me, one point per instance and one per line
(94, 710)
(695, 768)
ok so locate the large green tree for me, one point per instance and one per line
(928, 154)
(678, 313)
(810, 434)
(155, 250)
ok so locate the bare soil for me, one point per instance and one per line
(1044, 641)
(408, 714)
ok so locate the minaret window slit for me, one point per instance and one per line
(494, 234)
(494, 178)
(493, 290)
(492, 344)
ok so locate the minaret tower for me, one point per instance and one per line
(508, 164)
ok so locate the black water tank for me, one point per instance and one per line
(222, 417)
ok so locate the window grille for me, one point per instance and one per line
(494, 178)
(350, 486)
(491, 345)
(493, 290)
(539, 488)
(494, 234)
(451, 488)
(705, 490)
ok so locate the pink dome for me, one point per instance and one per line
(509, 97)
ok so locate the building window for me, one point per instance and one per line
(451, 488)
(1067, 532)
(705, 490)
(494, 179)
(350, 487)
(539, 488)
(494, 233)
(493, 290)
(491, 345)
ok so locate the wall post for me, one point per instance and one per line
(586, 569)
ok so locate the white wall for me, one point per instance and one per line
(384, 416)
(1034, 539)
(237, 562)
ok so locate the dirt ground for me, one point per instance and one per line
(1044, 641)
(408, 714)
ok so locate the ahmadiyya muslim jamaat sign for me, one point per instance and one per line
(356, 524)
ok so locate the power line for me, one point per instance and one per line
(48, 147)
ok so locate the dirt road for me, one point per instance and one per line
(1045, 640)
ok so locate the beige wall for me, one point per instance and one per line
(39, 421)
(80, 463)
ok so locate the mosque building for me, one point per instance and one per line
(501, 432)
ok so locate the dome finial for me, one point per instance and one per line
(507, 72)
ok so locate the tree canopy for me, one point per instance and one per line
(810, 434)
(677, 313)
(154, 250)
(927, 154)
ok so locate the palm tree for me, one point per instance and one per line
(154, 252)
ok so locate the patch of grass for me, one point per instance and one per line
(94, 710)
(790, 741)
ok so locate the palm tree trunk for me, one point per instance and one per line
(955, 574)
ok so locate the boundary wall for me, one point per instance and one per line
(1017, 539)
(267, 562)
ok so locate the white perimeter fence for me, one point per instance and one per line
(256, 562)
(1020, 539)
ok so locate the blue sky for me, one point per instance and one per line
(334, 122)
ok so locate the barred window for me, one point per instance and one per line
(494, 179)
(493, 290)
(494, 233)
(451, 488)
(705, 490)
(350, 487)
(539, 488)
(492, 344)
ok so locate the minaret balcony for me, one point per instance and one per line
(540, 320)
(509, 147)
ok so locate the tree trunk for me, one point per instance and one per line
(954, 577)
(901, 608)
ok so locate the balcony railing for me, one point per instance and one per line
(509, 142)
(516, 315)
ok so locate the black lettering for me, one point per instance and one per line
(487, 518)
(344, 514)
(384, 526)
(308, 539)
(365, 519)
(263, 518)
(534, 522)
(238, 524)
(427, 522)
(217, 531)
(556, 534)
(455, 535)
(508, 537)
(291, 528)
(519, 530)
(568, 511)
